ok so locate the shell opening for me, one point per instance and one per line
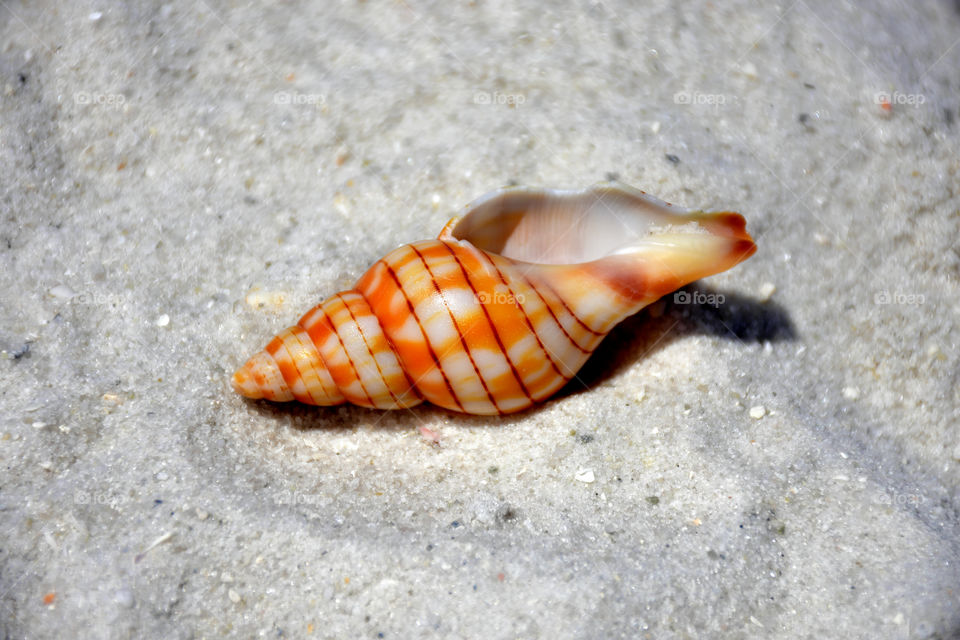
(548, 226)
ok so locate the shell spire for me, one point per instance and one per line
(502, 309)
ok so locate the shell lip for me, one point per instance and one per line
(538, 225)
(598, 189)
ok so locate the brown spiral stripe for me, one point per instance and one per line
(437, 321)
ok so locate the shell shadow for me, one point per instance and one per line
(706, 311)
(692, 310)
(338, 419)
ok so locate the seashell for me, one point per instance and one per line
(502, 309)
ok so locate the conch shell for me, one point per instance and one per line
(502, 309)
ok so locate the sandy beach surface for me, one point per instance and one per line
(778, 458)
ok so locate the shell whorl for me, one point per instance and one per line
(493, 316)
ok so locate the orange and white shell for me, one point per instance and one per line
(502, 309)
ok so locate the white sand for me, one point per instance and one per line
(181, 181)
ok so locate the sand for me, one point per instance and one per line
(779, 459)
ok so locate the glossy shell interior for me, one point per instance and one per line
(553, 226)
